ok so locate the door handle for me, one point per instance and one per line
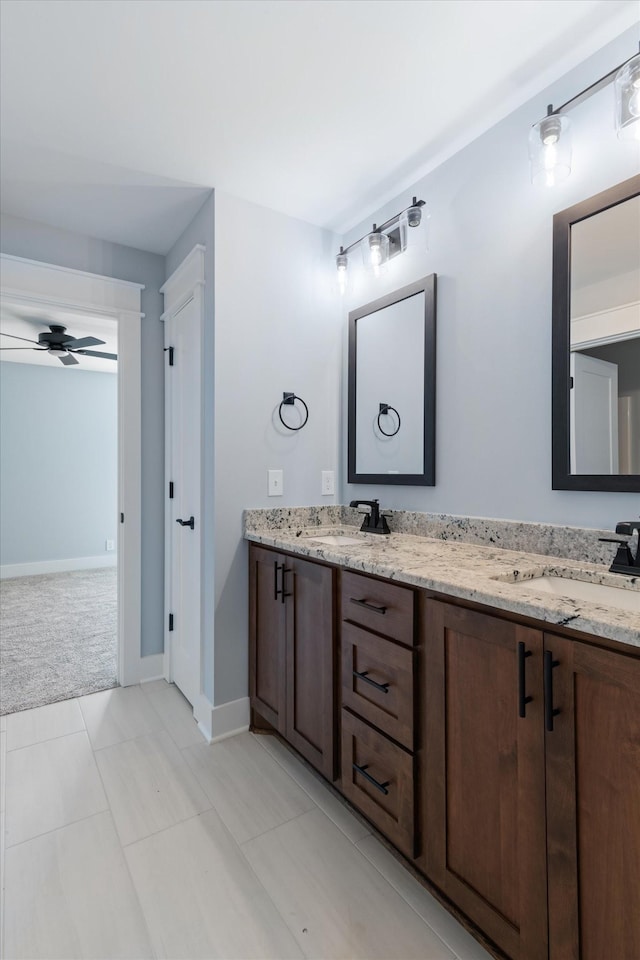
(523, 699)
(549, 711)
(187, 523)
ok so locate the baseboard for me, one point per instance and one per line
(226, 720)
(151, 668)
(10, 570)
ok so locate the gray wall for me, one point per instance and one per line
(58, 462)
(491, 246)
(201, 230)
(37, 241)
(277, 329)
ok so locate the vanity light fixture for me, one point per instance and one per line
(382, 244)
(550, 138)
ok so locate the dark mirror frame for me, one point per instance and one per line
(428, 476)
(562, 478)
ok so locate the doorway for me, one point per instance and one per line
(37, 289)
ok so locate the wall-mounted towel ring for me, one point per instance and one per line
(384, 409)
(289, 399)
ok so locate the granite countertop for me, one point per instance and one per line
(485, 574)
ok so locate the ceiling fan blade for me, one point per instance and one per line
(13, 337)
(68, 360)
(20, 348)
(92, 353)
(83, 342)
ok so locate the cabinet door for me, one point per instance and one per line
(483, 780)
(267, 649)
(310, 726)
(593, 802)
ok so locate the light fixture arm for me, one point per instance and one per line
(590, 90)
(383, 227)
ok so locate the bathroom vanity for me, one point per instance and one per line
(489, 730)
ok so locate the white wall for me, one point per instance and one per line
(58, 464)
(277, 329)
(491, 246)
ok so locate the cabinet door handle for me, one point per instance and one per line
(362, 770)
(369, 606)
(276, 591)
(523, 699)
(283, 592)
(364, 676)
(549, 711)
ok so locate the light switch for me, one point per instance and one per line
(276, 483)
(328, 483)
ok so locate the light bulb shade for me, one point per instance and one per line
(375, 252)
(550, 150)
(627, 91)
(414, 229)
(342, 263)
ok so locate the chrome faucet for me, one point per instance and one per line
(374, 521)
(624, 561)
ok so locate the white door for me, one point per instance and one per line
(182, 380)
(593, 415)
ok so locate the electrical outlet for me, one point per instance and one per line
(276, 483)
(109, 545)
(328, 483)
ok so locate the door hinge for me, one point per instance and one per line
(170, 622)
(122, 518)
(570, 383)
(169, 350)
(170, 489)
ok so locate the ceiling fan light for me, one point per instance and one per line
(627, 92)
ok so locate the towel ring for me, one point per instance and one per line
(289, 399)
(385, 408)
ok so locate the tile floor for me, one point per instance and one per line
(125, 835)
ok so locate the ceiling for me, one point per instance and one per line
(22, 321)
(118, 115)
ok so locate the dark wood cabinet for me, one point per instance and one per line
(593, 802)
(292, 652)
(483, 799)
(502, 759)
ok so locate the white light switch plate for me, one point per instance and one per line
(328, 483)
(276, 483)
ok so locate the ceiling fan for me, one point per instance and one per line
(57, 342)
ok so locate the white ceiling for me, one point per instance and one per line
(22, 321)
(117, 113)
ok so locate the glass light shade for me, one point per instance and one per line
(414, 229)
(627, 90)
(342, 263)
(550, 150)
(375, 252)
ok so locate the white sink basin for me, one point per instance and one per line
(602, 593)
(336, 540)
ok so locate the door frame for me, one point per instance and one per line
(33, 283)
(185, 284)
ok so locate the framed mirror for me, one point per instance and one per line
(392, 388)
(596, 342)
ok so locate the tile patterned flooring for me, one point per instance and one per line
(125, 835)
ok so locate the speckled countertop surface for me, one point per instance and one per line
(485, 574)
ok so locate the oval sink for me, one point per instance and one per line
(602, 593)
(336, 540)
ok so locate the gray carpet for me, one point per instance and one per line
(58, 637)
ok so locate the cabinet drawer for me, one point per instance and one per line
(380, 606)
(377, 682)
(378, 779)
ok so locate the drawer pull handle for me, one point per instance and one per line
(362, 770)
(369, 606)
(523, 699)
(364, 676)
